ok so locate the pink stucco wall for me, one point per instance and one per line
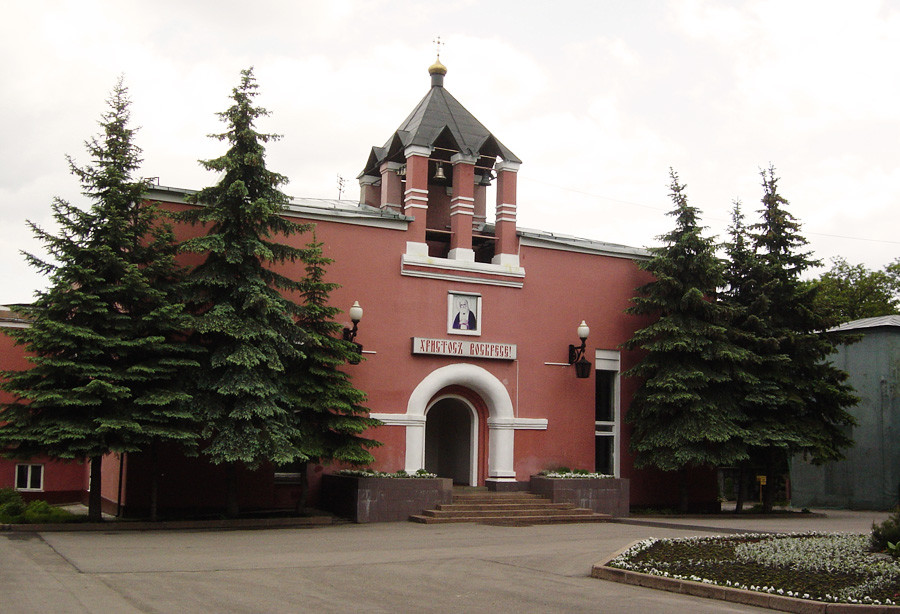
(561, 287)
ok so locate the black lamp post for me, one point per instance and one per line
(356, 314)
(576, 353)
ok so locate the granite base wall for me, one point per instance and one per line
(602, 495)
(506, 486)
(363, 499)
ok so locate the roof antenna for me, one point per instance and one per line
(340, 184)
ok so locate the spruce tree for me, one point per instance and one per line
(684, 414)
(807, 416)
(245, 318)
(107, 375)
(755, 393)
(329, 411)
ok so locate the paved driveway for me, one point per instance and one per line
(393, 567)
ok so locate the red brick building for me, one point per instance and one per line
(36, 478)
(466, 331)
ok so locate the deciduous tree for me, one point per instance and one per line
(850, 292)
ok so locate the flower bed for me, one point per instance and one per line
(836, 568)
(368, 496)
(568, 474)
(400, 475)
(600, 493)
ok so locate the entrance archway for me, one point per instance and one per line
(501, 420)
(451, 440)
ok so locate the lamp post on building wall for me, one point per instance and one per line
(356, 314)
(576, 353)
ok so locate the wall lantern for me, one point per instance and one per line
(356, 314)
(576, 353)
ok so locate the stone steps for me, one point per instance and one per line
(507, 509)
(501, 507)
(513, 520)
(511, 511)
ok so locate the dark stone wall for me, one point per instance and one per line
(382, 499)
(602, 495)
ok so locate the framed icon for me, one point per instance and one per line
(463, 313)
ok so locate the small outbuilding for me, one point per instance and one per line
(869, 476)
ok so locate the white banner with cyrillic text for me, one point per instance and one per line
(463, 348)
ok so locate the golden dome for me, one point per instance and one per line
(437, 68)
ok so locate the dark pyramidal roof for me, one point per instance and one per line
(439, 120)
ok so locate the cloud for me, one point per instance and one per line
(599, 100)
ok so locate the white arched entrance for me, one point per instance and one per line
(501, 421)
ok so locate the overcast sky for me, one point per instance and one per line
(598, 98)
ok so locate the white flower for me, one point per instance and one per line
(799, 552)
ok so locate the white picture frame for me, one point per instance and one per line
(463, 313)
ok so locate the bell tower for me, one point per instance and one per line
(435, 169)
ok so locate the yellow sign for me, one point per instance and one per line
(761, 479)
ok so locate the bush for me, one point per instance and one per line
(11, 511)
(39, 512)
(15, 511)
(888, 532)
(8, 495)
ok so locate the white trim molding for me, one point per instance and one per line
(414, 249)
(610, 361)
(506, 165)
(399, 419)
(462, 254)
(463, 159)
(419, 264)
(417, 150)
(519, 424)
(507, 261)
(566, 243)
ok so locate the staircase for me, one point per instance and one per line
(505, 508)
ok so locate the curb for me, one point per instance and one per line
(170, 525)
(731, 595)
(661, 524)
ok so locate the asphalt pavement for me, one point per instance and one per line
(387, 567)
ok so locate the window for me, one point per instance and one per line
(29, 477)
(606, 413)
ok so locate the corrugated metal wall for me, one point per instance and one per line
(869, 478)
